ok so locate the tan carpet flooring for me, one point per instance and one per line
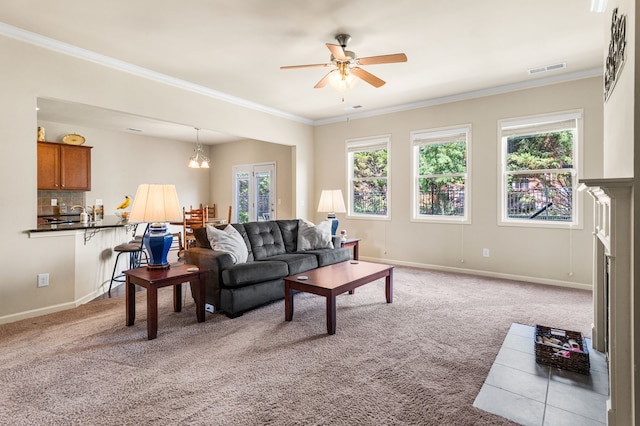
(420, 361)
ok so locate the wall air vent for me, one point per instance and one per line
(553, 67)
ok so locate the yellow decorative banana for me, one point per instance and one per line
(125, 203)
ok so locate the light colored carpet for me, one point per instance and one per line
(421, 360)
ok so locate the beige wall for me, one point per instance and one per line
(225, 156)
(542, 255)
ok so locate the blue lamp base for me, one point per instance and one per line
(158, 242)
(334, 223)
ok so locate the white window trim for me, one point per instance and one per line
(367, 144)
(545, 121)
(443, 132)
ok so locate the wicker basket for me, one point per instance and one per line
(562, 349)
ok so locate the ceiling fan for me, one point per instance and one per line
(347, 64)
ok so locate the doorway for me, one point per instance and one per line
(254, 192)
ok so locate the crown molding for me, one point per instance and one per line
(468, 95)
(68, 49)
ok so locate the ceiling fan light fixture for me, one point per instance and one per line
(343, 80)
(347, 65)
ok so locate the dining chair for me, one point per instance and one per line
(210, 212)
(191, 219)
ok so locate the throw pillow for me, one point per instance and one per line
(228, 240)
(312, 237)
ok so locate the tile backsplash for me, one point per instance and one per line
(68, 198)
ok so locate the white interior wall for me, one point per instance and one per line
(620, 160)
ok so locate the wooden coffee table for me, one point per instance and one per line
(152, 280)
(330, 281)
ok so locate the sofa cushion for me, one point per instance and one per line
(289, 229)
(330, 256)
(228, 240)
(312, 237)
(248, 273)
(265, 238)
(296, 262)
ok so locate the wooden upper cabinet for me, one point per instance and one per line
(64, 167)
(48, 166)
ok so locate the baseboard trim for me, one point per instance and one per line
(536, 280)
(499, 275)
(50, 309)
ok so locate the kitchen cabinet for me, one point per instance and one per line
(64, 167)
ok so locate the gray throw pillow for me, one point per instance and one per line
(313, 237)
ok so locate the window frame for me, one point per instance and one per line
(438, 136)
(372, 143)
(541, 123)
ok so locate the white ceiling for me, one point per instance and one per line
(455, 49)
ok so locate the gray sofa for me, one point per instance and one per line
(272, 246)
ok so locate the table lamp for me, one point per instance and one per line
(156, 205)
(331, 202)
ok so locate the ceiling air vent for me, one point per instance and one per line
(553, 67)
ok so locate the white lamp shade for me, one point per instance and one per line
(156, 203)
(331, 201)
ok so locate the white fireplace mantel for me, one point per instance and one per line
(613, 290)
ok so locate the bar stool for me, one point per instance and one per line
(135, 249)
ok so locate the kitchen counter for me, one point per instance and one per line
(107, 222)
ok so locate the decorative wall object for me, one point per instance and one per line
(616, 55)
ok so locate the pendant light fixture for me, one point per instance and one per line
(198, 160)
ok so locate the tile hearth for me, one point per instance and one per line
(528, 393)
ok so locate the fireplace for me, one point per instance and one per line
(612, 331)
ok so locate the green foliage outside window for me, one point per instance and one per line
(441, 181)
(548, 194)
(370, 182)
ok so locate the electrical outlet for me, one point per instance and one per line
(43, 280)
(485, 252)
(54, 202)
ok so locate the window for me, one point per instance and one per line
(368, 164)
(440, 174)
(254, 192)
(539, 170)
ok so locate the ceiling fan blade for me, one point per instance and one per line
(337, 51)
(324, 81)
(367, 76)
(383, 59)
(292, 67)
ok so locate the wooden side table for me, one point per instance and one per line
(152, 280)
(352, 242)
